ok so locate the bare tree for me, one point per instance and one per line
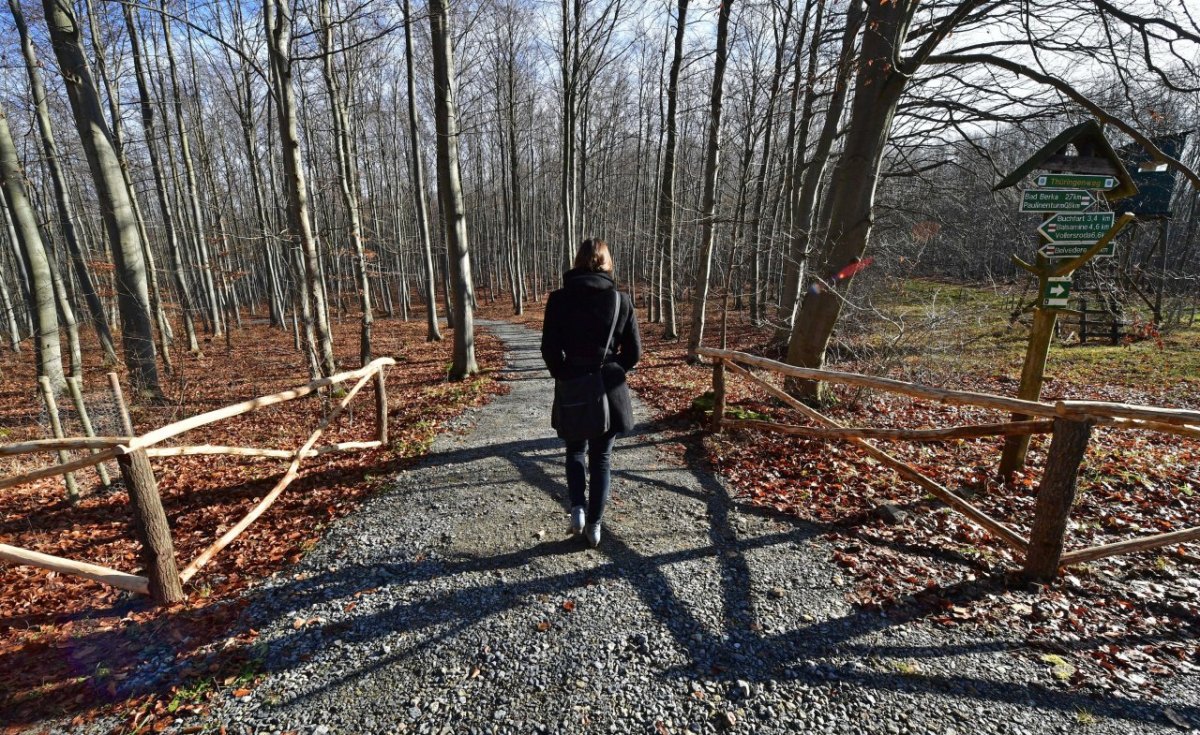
(133, 299)
(277, 17)
(433, 332)
(62, 197)
(664, 237)
(712, 162)
(450, 195)
(36, 262)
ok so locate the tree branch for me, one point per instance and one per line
(1079, 98)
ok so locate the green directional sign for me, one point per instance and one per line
(1074, 250)
(1056, 291)
(1078, 227)
(1075, 181)
(1056, 200)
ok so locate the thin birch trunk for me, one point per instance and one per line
(712, 163)
(665, 235)
(433, 331)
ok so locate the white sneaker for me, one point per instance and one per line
(577, 516)
(592, 532)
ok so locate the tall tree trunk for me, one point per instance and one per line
(36, 262)
(844, 235)
(665, 226)
(450, 190)
(118, 143)
(517, 231)
(433, 332)
(570, 81)
(195, 211)
(66, 313)
(278, 21)
(149, 128)
(348, 182)
(10, 311)
(712, 164)
(757, 296)
(62, 196)
(116, 206)
(805, 203)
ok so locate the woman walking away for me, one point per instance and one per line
(590, 330)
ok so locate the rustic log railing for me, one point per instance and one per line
(1069, 422)
(163, 582)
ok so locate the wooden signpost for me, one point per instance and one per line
(1083, 169)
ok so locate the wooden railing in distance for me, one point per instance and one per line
(163, 582)
(1069, 422)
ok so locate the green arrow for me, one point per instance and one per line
(1075, 181)
(1080, 227)
(1055, 200)
(1056, 291)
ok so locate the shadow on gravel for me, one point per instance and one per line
(741, 650)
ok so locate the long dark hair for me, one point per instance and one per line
(594, 255)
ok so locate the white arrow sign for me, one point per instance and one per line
(1056, 292)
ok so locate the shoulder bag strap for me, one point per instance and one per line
(612, 329)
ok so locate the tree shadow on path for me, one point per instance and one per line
(739, 650)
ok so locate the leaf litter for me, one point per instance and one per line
(1117, 625)
(73, 648)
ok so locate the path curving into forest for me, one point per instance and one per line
(457, 603)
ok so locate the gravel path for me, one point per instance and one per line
(457, 603)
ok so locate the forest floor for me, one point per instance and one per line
(1123, 625)
(73, 648)
(747, 581)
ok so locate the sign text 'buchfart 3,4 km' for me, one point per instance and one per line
(1056, 200)
(1075, 181)
(1076, 227)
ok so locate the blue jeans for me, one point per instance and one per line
(599, 459)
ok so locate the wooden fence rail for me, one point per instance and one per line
(1069, 422)
(163, 582)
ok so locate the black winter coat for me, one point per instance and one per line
(577, 320)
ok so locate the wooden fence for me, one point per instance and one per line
(1069, 422)
(163, 580)
(1102, 323)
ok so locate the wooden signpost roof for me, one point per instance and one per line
(1092, 154)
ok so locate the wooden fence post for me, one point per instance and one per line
(1083, 322)
(381, 407)
(1056, 495)
(56, 427)
(75, 385)
(114, 383)
(718, 410)
(150, 523)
